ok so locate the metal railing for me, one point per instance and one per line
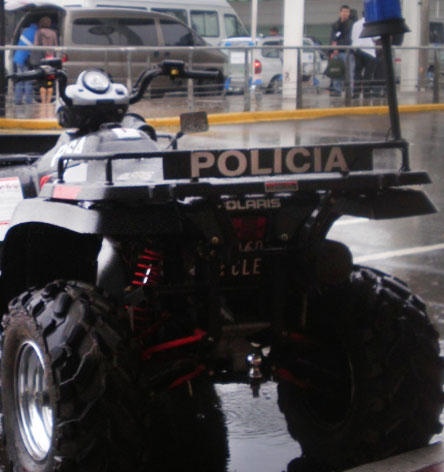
(243, 89)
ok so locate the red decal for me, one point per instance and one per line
(282, 186)
(45, 179)
(66, 192)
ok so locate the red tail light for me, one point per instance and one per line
(45, 179)
(257, 66)
(250, 228)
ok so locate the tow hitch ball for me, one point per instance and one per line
(255, 375)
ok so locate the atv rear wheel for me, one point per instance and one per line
(370, 384)
(67, 390)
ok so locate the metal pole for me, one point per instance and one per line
(391, 87)
(436, 74)
(299, 101)
(247, 96)
(2, 60)
(190, 86)
(129, 80)
(347, 82)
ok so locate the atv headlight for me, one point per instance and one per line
(96, 81)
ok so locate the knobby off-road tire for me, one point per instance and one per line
(67, 390)
(375, 380)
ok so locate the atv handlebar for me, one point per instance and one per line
(47, 68)
(28, 75)
(173, 69)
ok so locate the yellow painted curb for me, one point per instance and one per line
(304, 114)
(242, 117)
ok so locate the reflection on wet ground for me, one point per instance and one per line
(256, 425)
(258, 438)
(174, 104)
(423, 271)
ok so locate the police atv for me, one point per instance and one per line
(140, 276)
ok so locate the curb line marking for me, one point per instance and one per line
(399, 252)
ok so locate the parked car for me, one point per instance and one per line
(95, 31)
(268, 62)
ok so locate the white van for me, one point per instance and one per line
(213, 22)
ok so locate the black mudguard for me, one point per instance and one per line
(101, 220)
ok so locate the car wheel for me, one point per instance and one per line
(275, 85)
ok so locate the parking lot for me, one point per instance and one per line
(411, 248)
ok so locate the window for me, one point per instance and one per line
(179, 14)
(233, 27)
(436, 31)
(176, 34)
(206, 23)
(115, 31)
(272, 53)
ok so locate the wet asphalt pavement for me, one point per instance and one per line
(257, 432)
(258, 438)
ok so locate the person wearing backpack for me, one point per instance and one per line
(24, 89)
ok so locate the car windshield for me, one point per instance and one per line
(114, 31)
(233, 27)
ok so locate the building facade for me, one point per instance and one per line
(319, 14)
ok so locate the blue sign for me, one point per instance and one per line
(382, 10)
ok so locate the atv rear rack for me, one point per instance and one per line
(353, 173)
(362, 182)
(264, 162)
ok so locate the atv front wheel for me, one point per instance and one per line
(67, 389)
(369, 384)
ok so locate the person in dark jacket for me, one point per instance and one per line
(21, 64)
(340, 36)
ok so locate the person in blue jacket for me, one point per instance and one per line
(21, 64)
